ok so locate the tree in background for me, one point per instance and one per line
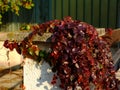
(14, 6)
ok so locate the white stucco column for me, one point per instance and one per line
(38, 76)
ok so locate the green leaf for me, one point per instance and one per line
(30, 51)
(42, 54)
(0, 16)
(0, 22)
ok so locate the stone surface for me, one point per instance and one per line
(101, 31)
(118, 74)
(20, 35)
(38, 76)
(11, 80)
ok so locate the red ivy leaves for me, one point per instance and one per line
(78, 55)
(109, 31)
(83, 56)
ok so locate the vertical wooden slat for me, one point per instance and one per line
(104, 6)
(45, 10)
(58, 9)
(14, 19)
(80, 10)
(88, 11)
(91, 11)
(112, 13)
(73, 9)
(50, 9)
(84, 10)
(42, 11)
(99, 13)
(69, 8)
(10, 19)
(95, 17)
(62, 9)
(118, 13)
(53, 9)
(14, 23)
(76, 8)
(65, 8)
(28, 16)
(108, 7)
(33, 13)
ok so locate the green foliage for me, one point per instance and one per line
(14, 6)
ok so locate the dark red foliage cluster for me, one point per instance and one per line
(78, 55)
(81, 57)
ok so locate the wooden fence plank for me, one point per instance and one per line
(112, 13)
(73, 9)
(96, 14)
(66, 8)
(80, 10)
(53, 9)
(103, 18)
(88, 11)
(58, 9)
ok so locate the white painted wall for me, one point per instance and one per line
(38, 76)
(14, 57)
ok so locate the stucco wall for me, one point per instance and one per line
(8, 60)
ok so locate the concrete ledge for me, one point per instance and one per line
(20, 35)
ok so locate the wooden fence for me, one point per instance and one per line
(100, 13)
